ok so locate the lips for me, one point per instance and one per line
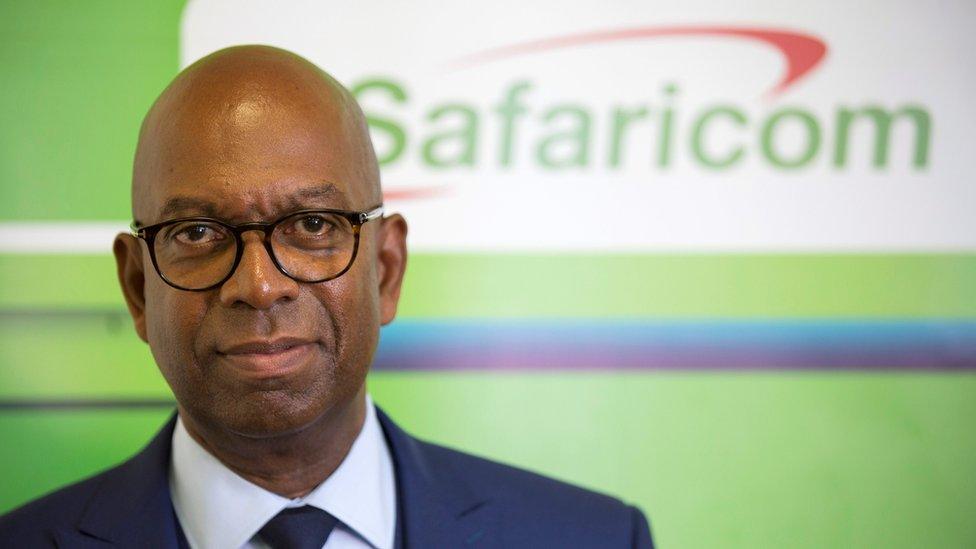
(268, 358)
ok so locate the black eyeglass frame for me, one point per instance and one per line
(356, 219)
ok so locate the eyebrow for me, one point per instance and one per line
(303, 198)
(317, 193)
(187, 204)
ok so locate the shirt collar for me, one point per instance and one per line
(218, 508)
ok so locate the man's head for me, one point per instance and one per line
(248, 134)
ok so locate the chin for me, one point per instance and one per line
(274, 413)
(258, 414)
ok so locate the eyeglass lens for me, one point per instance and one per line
(308, 246)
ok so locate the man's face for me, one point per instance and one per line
(262, 354)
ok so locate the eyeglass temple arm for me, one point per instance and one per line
(372, 214)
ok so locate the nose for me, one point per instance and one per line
(257, 281)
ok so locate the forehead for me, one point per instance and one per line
(248, 204)
(252, 150)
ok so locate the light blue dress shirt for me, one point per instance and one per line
(219, 509)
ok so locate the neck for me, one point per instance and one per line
(291, 465)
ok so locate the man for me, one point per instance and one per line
(259, 273)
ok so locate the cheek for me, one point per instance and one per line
(173, 321)
(355, 311)
(367, 272)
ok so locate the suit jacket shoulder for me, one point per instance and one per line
(520, 508)
(538, 509)
(34, 524)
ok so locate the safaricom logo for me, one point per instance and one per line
(513, 130)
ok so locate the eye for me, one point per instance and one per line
(313, 225)
(197, 233)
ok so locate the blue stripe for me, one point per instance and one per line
(465, 344)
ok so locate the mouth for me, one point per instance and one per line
(263, 359)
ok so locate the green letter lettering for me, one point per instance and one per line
(396, 134)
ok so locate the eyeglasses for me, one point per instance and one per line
(201, 253)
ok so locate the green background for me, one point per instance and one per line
(715, 459)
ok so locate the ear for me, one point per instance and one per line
(132, 277)
(391, 265)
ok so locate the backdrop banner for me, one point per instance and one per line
(716, 259)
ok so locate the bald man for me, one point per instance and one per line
(259, 271)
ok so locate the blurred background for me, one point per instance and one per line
(717, 261)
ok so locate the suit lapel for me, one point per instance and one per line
(132, 507)
(436, 507)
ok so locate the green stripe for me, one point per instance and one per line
(75, 356)
(514, 286)
(59, 282)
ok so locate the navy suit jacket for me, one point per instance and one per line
(446, 499)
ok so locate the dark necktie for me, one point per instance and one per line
(304, 527)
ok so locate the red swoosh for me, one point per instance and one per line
(802, 52)
(412, 193)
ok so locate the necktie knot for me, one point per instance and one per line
(303, 527)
